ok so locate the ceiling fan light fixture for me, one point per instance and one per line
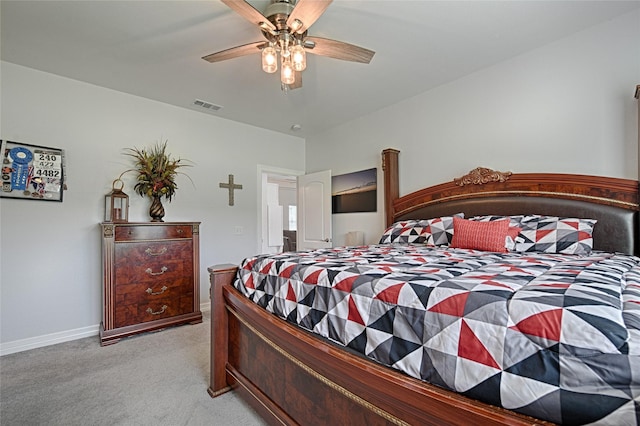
(269, 59)
(287, 74)
(298, 57)
(284, 24)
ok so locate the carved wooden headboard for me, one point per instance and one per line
(612, 201)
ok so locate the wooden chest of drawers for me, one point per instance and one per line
(150, 277)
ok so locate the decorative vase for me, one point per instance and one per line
(156, 211)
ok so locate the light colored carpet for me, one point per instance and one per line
(158, 378)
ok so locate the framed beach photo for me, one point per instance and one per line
(32, 172)
(354, 192)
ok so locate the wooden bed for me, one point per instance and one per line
(313, 381)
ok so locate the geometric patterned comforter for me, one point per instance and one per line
(553, 336)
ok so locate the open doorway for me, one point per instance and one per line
(277, 218)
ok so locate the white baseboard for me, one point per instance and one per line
(60, 337)
(48, 339)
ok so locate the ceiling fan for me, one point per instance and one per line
(284, 25)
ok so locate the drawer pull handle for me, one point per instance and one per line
(162, 271)
(179, 231)
(162, 290)
(161, 311)
(150, 252)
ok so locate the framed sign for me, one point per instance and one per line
(32, 172)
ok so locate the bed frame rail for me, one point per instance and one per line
(302, 379)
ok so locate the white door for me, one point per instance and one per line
(314, 210)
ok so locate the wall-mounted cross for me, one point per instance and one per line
(230, 186)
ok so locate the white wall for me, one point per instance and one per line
(50, 265)
(566, 107)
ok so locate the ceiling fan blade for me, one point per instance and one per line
(250, 13)
(234, 52)
(306, 13)
(338, 50)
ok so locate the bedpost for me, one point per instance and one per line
(637, 247)
(638, 99)
(391, 182)
(219, 276)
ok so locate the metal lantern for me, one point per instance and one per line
(116, 204)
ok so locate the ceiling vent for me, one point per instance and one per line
(207, 105)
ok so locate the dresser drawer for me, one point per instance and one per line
(163, 307)
(152, 261)
(154, 272)
(152, 232)
(143, 293)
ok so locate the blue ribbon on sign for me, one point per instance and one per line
(21, 158)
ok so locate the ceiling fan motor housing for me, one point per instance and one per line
(278, 12)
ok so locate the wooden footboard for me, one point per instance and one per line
(292, 377)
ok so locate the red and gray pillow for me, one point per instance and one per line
(405, 231)
(432, 232)
(549, 234)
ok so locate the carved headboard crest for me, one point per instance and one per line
(482, 175)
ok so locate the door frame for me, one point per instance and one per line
(262, 170)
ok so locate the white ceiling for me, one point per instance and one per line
(154, 48)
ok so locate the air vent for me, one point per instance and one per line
(207, 105)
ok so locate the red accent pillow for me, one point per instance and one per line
(488, 236)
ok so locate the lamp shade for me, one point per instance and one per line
(298, 57)
(269, 59)
(116, 204)
(287, 75)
